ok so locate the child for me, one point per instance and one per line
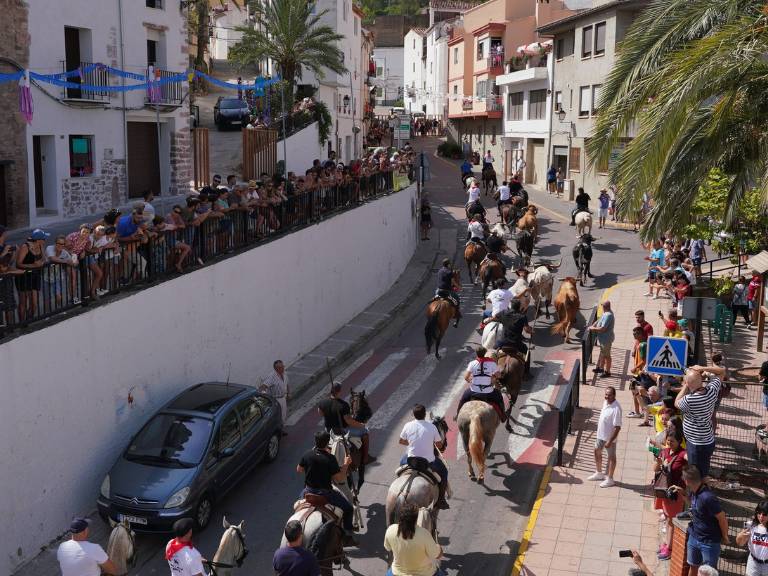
(426, 219)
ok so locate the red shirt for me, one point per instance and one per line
(647, 330)
(754, 287)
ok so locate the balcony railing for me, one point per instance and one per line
(494, 103)
(169, 94)
(466, 104)
(494, 61)
(89, 75)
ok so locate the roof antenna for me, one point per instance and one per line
(229, 371)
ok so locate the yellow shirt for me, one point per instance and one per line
(655, 411)
(415, 557)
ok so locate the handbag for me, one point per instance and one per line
(661, 480)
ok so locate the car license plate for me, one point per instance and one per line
(132, 519)
(236, 122)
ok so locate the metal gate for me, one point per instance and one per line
(259, 153)
(200, 157)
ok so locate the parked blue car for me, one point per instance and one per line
(189, 454)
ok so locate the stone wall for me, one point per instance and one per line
(181, 161)
(95, 194)
(14, 46)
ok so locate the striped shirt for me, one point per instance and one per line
(697, 409)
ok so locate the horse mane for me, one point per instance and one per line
(363, 411)
(225, 552)
(321, 539)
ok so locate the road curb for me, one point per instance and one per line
(347, 353)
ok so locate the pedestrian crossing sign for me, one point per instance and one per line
(667, 356)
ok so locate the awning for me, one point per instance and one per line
(535, 49)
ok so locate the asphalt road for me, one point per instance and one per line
(481, 532)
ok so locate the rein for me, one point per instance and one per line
(238, 561)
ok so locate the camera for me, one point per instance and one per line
(671, 494)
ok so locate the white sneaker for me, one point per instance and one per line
(607, 483)
(647, 294)
(76, 301)
(596, 476)
(634, 415)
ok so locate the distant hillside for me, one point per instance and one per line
(373, 8)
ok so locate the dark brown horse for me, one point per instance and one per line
(474, 253)
(361, 411)
(439, 314)
(489, 271)
(511, 371)
(489, 180)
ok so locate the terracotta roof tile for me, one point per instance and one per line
(451, 4)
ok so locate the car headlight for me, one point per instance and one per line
(178, 498)
(105, 487)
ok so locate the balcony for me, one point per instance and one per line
(165, 94)
(494, 64)
(523, 75)
(92, 75)
(466, 104)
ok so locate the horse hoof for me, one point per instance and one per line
(481, 480)
(473, 477)
(508, 426)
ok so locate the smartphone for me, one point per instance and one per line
(625, 553)
(661, 314)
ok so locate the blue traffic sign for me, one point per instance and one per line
(666, 356)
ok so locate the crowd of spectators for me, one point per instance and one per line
(44, 275)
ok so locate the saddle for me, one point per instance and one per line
(315, 502)
(417, 470)
(484, 398)
(511, 352)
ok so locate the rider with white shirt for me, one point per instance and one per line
(183, 558)
(422, 437)
(482, 374)
(474, 192)
(78, 557)
(476, 231)
(505, 196)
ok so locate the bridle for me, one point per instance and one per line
(238, 561)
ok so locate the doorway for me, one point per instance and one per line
(560, 156)
(143, 159)
(44, 169)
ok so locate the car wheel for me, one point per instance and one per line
(203, 512)
(273, 448)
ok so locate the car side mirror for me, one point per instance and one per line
(227, 452)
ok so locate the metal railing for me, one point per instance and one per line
(494, 103)
(495, 61)
(88, 75)
(708, 270)
(566, 404)
(587, 344)
(31, 296)
(170, 94)
(466, 104)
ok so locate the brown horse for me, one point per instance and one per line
(511, 371)
(474, 253)
(439, 314)
(477, 422)
(567, 306)
(489, 271)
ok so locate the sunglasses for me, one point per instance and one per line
(177, 211)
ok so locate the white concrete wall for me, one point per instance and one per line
(64, 415)
(302, 148)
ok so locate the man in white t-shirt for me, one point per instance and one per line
(474, 192)
(182, 556)
(78, 557)
(521, 289)
(500, 298)
(608, 428)
(422, 437)
(505, 196)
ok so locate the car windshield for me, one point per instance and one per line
(231, 104)
(171, 440)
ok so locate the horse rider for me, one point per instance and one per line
(337, 418)
(496, 245)
(487, 161)
(183, 558)
(422, 438)
(448, 288)
(482, 374)
(514, 323)
(473, 192)
(500, 299)
(521, 289)
(505, 196)
(476, 208)
(320, 470)
(584, 245)
(466, 169)
(475, 231)
(582, 205)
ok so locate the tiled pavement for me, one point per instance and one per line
(578, 527)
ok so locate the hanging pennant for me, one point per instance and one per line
(26, 106)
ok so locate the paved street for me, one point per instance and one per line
(396, 373)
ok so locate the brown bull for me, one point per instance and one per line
(567, 306)
(529, 222)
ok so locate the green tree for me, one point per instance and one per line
(292, 36)
(691, 79)
(198, 20)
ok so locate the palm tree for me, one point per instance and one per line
(289, 32)
(691, 79)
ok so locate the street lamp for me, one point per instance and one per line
(561, 117)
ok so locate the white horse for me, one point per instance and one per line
(491, 334)
(583, 223)
(121, 547)
(541, 282)
(338, 446)
(502, 230)
(232, 550)
(323, 534)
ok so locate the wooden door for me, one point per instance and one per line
(143, 159)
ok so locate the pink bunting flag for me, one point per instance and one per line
(26, 106)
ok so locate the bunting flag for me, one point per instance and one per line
(26, 106)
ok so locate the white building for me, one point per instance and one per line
(390, 79)
(89, 149)
(527, 111)
(415, 70)
(225, 19)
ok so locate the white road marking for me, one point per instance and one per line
(386, 413)
(297, 415)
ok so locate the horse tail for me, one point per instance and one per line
(559, 327)
(431, 329)
(487, 274)
(475, 444)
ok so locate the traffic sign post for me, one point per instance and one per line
(667, 356)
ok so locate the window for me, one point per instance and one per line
(151, 52)
(414, 43)
(479, 50)
(599, 38)
(586, 42)
(357, 25)
(379, 92)
(379, 69)
(481, 88)
(345, 10)
(414, 66)
(595, 97)
(455, 55)
(584, 101)
(537, 104)
(80, 156)
(565, 45)
(229, 433)
(558, 101)
(430, 67)
(155, 4)
(250, 414)
(574, 163)
(455, 89)
(515, 106)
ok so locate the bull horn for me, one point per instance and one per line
(555, 267)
